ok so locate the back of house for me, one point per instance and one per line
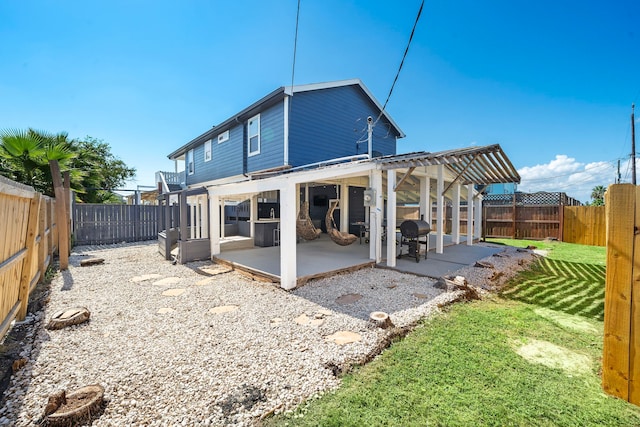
(290, 127)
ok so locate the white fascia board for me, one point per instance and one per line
(282, 181)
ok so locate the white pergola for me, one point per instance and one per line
(450, 171)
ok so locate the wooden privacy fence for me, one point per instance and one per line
(29, 239)
(621, 350)
(97, 224)
(585, 225)
(543, 215)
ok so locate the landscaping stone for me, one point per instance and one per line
(145, 277)
(167, 281)
(174, 292)
(344, 337)
(348, 299)
(223, 309)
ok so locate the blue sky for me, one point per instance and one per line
(551, 81)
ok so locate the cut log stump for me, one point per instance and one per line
(91, 261)
(75, 408)
(71, 316)
(381, 319)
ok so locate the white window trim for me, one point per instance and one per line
(223, 137)
(191, 164)
(207, 151)
(253, 153)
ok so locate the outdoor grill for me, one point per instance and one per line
(414, 232)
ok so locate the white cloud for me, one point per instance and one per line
(566, 174)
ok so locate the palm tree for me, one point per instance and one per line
(25, 155)
(597, 195)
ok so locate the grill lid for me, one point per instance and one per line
(413, 228)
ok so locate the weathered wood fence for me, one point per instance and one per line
(621, 350)
(29, 240)
(543, 215)
(98, 224)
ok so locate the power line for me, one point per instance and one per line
(295, 47)
(605, 163)
(401, 62)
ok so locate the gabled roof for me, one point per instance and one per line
(271, 99)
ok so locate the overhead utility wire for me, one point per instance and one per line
(295, 49)
(605, 163)
(401, 62)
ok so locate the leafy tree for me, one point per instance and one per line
(94, 171)
(597, 195)
(104, 172)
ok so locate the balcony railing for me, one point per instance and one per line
(170, 178)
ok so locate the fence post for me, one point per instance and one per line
(513, 216)
(42, 248)
(61, 216)
(561, 221)
(25, 278)
(620, 361)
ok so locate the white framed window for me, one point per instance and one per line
(190, 163)
(253, 141)
(224, 136)
(207, 151)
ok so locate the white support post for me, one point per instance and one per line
(424, 199)
(214, 207)
(222, 217)
(469, 214)
(429, 217)
(344, 207)
(205, 218)
(192, 215)
(455, 215)
(391, 218)
(440, 211)
(375, 217)
(253, 215)
(288, 271)
(478, 217)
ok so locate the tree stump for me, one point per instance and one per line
(77, 407)
(381, 319)
(73, 316)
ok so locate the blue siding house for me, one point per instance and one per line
(290, 127)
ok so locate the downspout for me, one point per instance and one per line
(244, 147)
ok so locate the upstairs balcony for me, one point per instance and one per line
(170, 181)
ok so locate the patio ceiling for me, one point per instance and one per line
(474, 165)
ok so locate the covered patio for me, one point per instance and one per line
(391, 183)
(321, 258)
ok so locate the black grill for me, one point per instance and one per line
(414, 233)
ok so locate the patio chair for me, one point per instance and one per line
(304, 225)
(340, 237)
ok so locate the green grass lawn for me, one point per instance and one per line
(569, 279)
(495, 362)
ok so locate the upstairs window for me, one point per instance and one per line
(190, 163)
(254, 135)
(207, 151)
(224, 136)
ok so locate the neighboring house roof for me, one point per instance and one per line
(272, 98)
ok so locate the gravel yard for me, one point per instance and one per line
(182, 345)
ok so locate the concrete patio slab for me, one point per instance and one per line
(323, 257)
